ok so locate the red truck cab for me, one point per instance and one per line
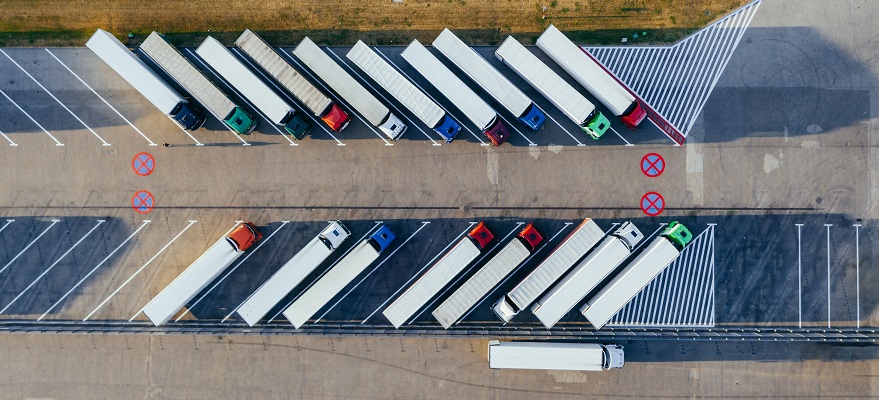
(635, 115)
(497, 133)
(336, 118)
(530, 236)
(244, 236)
(481, 235)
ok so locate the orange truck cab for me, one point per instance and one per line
(244, 236)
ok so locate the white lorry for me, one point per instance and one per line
(516, 56)
(589, 73)
(636, 275)
(496, 269)
(465, 99)
(562, 258)
(316, 101)
(144, 80)
(252, 88)
(489, 79)
(439, 275)
(587, 275)
(404, 91)
(561, 356)
(292, 273)
(349, 89)
(190, 78)
(328, 286)
(202, 272)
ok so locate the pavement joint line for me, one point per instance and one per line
(191, 222)
(457, 119)
(800, 271)
(858, 273)
(472, 265)
(57, 143)
(100, 221)
(11, 143)
(828, 273)
(579, 143)
(388, 103)
(229, 272)
(144, 224)
(429, 263)
(151, 143)
(423, 224)
(297, 296)
(54, 221)
(103, 143)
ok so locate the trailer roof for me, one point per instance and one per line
(551, 356)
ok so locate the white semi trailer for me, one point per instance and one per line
(636, 275)
(439, 275)
(292, 273)
(587, 275)
(555, 356)
(562, 258)
(404, 91)
(144, 80)
(492, 81)
(349, 89)
(203, 90)
(558, 91)
(495, 270)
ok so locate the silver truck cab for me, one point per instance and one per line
(393, 127)
(629, 234)
(334, 235)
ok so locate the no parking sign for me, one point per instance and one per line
(652, 204)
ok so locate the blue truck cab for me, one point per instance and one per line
(448, 128)
(382, 238)
(533, 117)
(188, 116)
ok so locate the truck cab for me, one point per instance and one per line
(497, 132)
(244, 236)
(596, 127)
(504, 309)
(533, 117)
(334, 235)
(530, 237)
(629, 234)
(613, 356)
(448, 128)
(481, 236)
(393, 127)
(634, 115)
(336, 118)
(678, 234)
(188, 116)
(382, 238)
(240, 121)
(295, 125)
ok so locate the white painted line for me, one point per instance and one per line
(621, 136)
(513, 127)
(828, 273)
(100, 221)
(8, 221)
(57, 143)
(103, 143)
(423, 224)
(191, 222)
(680, 66)
(142, 225)
(54, 221)
(800, 270)
(11, 143)
(457, 119)
(579, 143)
(228, 273)
(371, 230)
(429, 263)
(858, 273)
(706, 46)
(102, 98)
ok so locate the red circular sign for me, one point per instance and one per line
(652, 203)
(143, 201)
(143, 164)
(652, 165)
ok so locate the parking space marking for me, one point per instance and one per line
(429, 263)
(431, 97)
(11, 143)
(828, 273)
(858, 273)
(388, 103)
(332, 94)
(100, 221)
(142, 225)
(621, 136)
(102, 98)
(423, 224)
(230, 271)
(8, 221)
(579, 143)
(191, 222)
(54, 221)
(325, 271)
(103, 143)
(57, 143)
(472, 265)
(800, 271)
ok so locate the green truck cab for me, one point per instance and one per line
(296, 126)
(240, 121)
(678, 234)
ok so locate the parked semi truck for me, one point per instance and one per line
(587, 275)
(439, 275)
(562, 258)
(145, 80)
(561, 94)
(636, 275)
(555, 356)
(252, 88)
(190, 78)
(489, 79)
(404, 91)
(316, 101)
(484, 280)
(292, 273)
(327, 287)
(202, 272)
(587, 72)
(349, 89)
(464, 98)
